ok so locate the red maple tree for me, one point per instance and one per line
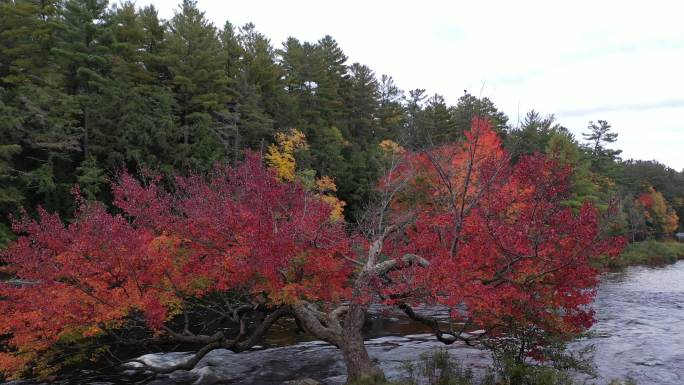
(457, 225)
(239, 244)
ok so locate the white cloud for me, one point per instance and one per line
(620, 61)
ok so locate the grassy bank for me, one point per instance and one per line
(650, 253)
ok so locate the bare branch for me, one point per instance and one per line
(385, 267)
(445, 337)
(215, 341)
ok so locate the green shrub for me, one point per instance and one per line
(649, 252)
(438, 367)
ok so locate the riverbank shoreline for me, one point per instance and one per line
(650, 253)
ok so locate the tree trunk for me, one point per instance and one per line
(360, 367)
(347, 337)
(86, 139)
(236, 145)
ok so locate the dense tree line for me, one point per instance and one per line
(88, 88)
(643, 198)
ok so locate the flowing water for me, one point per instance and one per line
(640, 328)
(639, 334)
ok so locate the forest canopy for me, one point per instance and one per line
(88, 89)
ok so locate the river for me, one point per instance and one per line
(639, 334)
(640, 325)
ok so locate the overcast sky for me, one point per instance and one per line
(620, 61)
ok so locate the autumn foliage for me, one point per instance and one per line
(505, 253)
(660, 216)
(240, 229)
(463, 227)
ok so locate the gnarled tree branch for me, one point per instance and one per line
(446, 337)
(215, 341)
(385, 267)
(318, 323)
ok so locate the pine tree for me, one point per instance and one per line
(469, 107)
(11, 196)
(35, 112)
(362, 102)
(193, 55)
(27, 32)
(261, 75)
(533, 134)
(391, 111)
(598, 139)
(83, 51)
(414, 119)
(332, 80)
(254, 125)
(302, 74)
(153, 42)
(142, 130)
(293, 61)
(438, 126)
(91, 178)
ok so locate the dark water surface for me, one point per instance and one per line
(639, 334)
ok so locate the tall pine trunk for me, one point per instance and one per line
(86, 129)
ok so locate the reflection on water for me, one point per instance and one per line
(639, 334)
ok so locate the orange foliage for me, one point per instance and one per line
(659, 214)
